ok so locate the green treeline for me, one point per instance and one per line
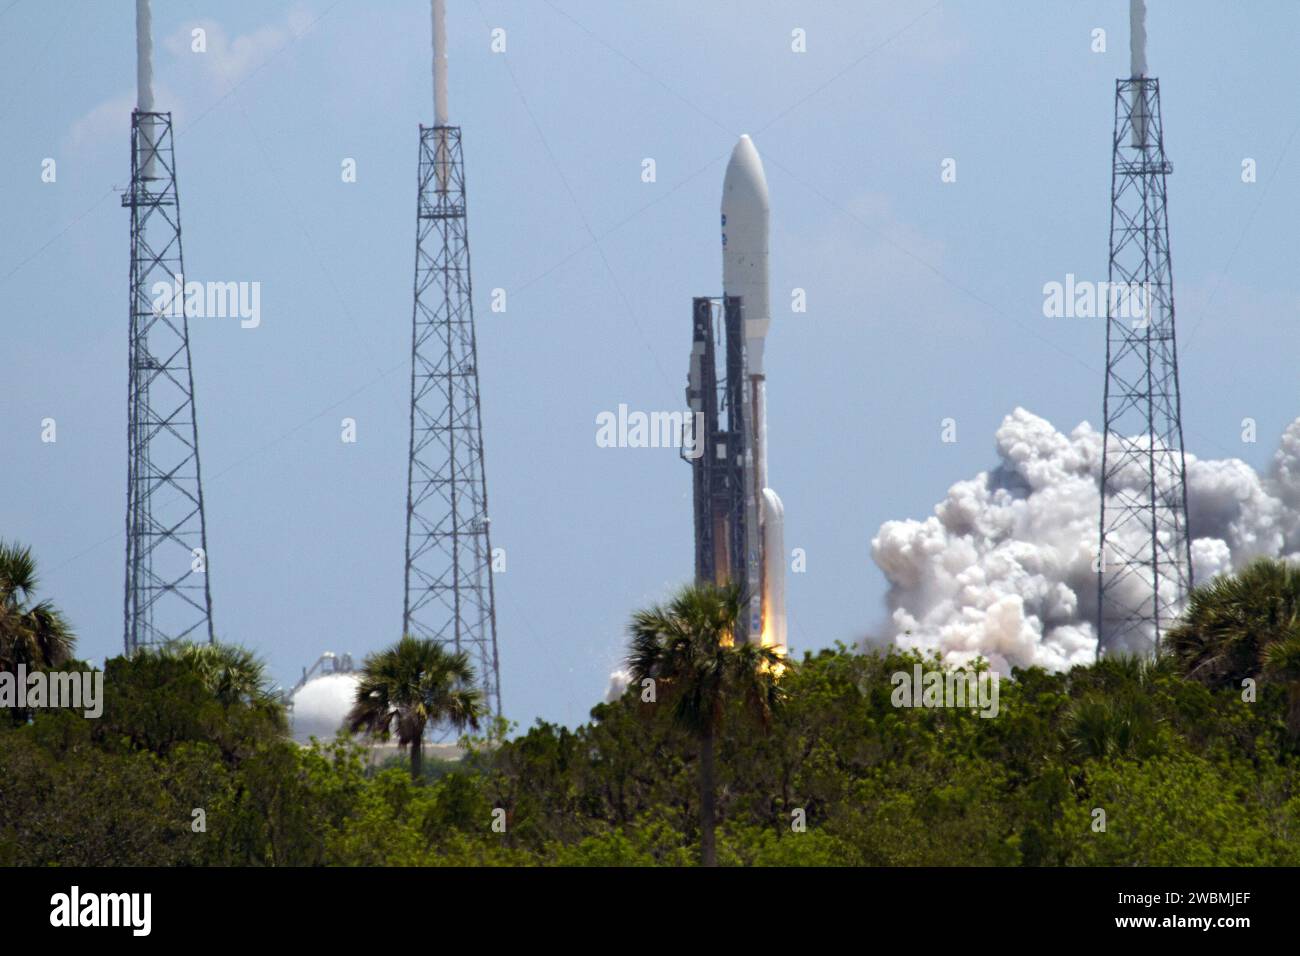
(1189, 759)
(1184, 774)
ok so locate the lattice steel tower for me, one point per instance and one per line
(449, 590)
(167, 596)
(1145, 570)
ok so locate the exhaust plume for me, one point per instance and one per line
(619, 681)
(1004, 568)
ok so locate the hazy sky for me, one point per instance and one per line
(924, 298)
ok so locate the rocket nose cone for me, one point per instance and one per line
(745, 179)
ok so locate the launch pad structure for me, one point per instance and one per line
(1144, 556)
(168, 596)
(718, 465)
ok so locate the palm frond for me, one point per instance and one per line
(412, 685)
(37, 635)
(689, 648)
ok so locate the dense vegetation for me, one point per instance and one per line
(1187, 771)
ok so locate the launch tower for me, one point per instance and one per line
(449, 592)
(167, 592)
(718, 462)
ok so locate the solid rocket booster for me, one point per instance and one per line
(745, 274)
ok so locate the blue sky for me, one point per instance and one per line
(924, 298)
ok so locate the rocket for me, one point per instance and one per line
(745, 274)
(738, 518)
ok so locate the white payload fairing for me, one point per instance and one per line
(738, 518)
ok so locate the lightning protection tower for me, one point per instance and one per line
(449, 591)
(167, 592)
(1145, 569)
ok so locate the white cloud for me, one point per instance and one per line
(618, 682)
(228, 60)
(1004, 567)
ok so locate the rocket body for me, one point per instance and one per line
(745, 274)
(745, 246)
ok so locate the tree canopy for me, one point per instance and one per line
(1126, 762)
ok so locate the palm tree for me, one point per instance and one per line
(415, 683)
(231, 673)
(36, 635)
(688, 649)
(1119, 724)
(1244, 625)
(1282, 663)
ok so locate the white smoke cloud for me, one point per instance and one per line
(230, 59)
(1004, 568)
(618, 681)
